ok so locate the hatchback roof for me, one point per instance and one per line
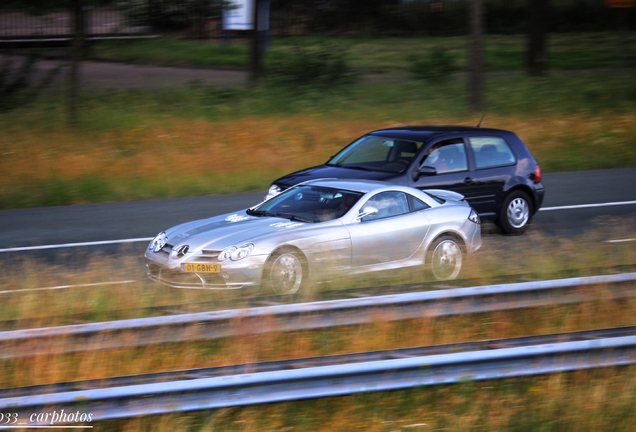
(423, 133)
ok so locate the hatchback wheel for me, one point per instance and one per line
(515, 214)
(284, 272)
(445, 258)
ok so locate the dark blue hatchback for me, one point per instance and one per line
(492, 168)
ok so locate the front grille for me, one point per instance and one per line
(205, 255)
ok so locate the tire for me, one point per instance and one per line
(285, 272)
(515, 214)
(445, 258)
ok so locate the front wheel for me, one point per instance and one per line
(445, 258)
(284, 272)
(515, 214)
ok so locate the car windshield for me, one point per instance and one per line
(306, 203)
(376, 153)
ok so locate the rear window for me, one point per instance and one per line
(491, 152)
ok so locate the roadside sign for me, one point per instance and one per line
(239, 15)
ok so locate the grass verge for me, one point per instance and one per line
(199, 140)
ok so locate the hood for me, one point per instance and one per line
(326, 171)
(226, 230)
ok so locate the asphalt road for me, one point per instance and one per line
(574, 200)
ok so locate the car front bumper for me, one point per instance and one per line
(233, 274)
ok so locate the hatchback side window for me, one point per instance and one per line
(447, 157)
(390, 203)
(491, 152)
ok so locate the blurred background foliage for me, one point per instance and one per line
(347, 17)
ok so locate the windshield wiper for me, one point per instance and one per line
(358, 167)
(292, 217)
(278, 214)
(258, 213)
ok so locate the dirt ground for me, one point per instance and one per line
(104, 75)
(100, 75)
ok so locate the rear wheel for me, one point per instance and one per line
(445, 258)
(285, 272)
(515, 214)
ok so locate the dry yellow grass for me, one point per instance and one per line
(603, 396)
(542, 257)
(259, 148)
(277, 346)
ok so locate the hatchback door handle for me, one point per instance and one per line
(468, 180)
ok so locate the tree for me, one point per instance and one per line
(256, 47)
(536, 55)
(17, 86)
(476, 55)
(77, 51)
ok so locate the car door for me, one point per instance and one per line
(394, 233)
(451, 162)
(494, 165)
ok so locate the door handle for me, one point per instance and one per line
(468, 180)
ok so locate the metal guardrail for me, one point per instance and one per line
(299, 363)
(313, 315)
(327, 381)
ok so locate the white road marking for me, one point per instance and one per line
(621, 240)
(64, 245)
(579, 206)
(67, 286)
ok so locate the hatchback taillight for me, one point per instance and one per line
(537, 174)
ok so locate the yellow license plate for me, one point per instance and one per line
(200, 268)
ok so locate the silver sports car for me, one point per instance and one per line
(316, 231)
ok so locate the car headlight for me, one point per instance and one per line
(236, 253)
(158, 242)
(273, 191)
(474, 217)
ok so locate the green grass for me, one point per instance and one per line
(173, 52)
(381, 55)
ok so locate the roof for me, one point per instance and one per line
(424, 133)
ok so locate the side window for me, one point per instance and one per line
(491, 152)
(447, 157)
(390, 203)
(417, 204)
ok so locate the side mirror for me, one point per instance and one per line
(424, 170)
(367, 211)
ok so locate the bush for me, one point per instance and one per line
(435, 67)
(314, 66)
